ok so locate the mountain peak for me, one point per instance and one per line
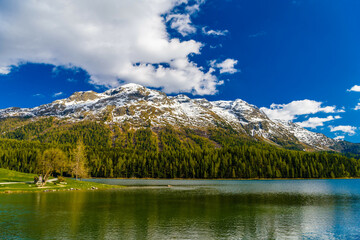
(126, 88)
(139, 106)
(134, 86)
(84, 96)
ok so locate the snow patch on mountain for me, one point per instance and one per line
(317, 140)
(141, 106)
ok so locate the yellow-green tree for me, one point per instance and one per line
(79, 168)
(51, 161)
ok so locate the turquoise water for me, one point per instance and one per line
(188, 209)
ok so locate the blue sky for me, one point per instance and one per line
(297, 60)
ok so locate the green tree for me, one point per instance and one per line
(50, 162)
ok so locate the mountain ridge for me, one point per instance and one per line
(139, 107)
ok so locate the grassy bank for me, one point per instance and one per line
(69, 185)
(14, 176)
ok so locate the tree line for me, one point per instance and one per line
(170, 153)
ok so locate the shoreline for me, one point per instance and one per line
(71, 185)
(225, 179)
(87, 184)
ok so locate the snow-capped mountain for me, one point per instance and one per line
(316, 140)
(140, 106)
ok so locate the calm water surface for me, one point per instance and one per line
(205, 209)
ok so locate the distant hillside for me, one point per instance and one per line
(133, 131)
(171, 153)
(136, 106)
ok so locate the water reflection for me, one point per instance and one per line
(321, 210)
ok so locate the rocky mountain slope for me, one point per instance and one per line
(139, 106)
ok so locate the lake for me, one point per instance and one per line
(188, 209)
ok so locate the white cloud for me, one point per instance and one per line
(339, 137)
(290, 111)
(58, 94)
(191, 9)
(38, 95)
(343, 128)
(215, 32)
(227, 66)
(357, 107)
(181, 23)
(355, 88)
(4, 70)
(315, 122)
(114, 41)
